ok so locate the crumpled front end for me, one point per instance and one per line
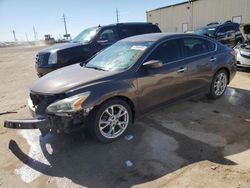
(47, 122)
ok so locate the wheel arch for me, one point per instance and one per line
(125, 99)
(225, 69)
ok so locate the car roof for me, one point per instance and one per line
(128, 24)
(154, 37)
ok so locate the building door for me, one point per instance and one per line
(184, 27)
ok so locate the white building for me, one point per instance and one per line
(193, 14)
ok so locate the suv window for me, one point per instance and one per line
(225, 29)
(196, 46)
(108, 34)
(167, 52)
(127, 31)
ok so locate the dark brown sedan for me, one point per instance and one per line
(126, 80)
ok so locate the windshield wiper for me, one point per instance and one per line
(96, 68)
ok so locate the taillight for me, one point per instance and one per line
(234, 53)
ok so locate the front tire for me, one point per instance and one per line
(111, 120)
(219, 84)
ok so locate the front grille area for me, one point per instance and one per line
(42, 59)
(41, 102)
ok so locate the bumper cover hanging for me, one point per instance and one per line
(36, 123)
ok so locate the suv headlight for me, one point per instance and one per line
(71, 104)
(52, 57)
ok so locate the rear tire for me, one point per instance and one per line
(111, 120)
(219, 84)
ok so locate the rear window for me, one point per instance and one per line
(196, 46)
(129, 31)
(206, 31)
(225, 29)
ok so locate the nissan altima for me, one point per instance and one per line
(127, 80)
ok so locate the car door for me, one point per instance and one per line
(160, 85)
(226, 35)
(200, 55)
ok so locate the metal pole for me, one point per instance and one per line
(65, 26)
(117, 15)
(14, 34)
(35, 34)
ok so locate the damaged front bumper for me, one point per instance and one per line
(35, 123)
(64, 122)
(51, 123)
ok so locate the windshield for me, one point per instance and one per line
(86, 35)
(119, 56)
(206, 31)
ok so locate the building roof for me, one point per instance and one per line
(173, 5)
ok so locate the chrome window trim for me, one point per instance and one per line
(183, 37)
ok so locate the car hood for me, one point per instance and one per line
(60, 46)
(68, 78)
(245, 30)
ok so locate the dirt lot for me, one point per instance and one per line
(195, 143)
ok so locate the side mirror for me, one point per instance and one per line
(153, 64)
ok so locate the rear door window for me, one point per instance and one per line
(167, 52)
(196, 46)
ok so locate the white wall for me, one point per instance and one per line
(199, 14)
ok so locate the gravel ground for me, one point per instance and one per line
(195, 143)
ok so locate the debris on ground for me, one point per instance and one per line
(214, 167)
(216, 111)
(129, 137)
(8, 112)
(129, 163)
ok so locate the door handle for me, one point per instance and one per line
(213, 59)
(182, 69)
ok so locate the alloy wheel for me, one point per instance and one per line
(113, 121)
(220, 84)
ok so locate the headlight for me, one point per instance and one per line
(52, 57)
(71, 104)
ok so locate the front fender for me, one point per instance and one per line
(106, 90)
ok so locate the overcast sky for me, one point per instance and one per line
(46, 15)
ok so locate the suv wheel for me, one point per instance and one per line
(111, 120)
(219, 84)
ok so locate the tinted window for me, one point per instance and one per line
(196, 46)
(211, 45)
(108, 34)
(226, 29)
(206, 31)
(127, 31)
(166, 52)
